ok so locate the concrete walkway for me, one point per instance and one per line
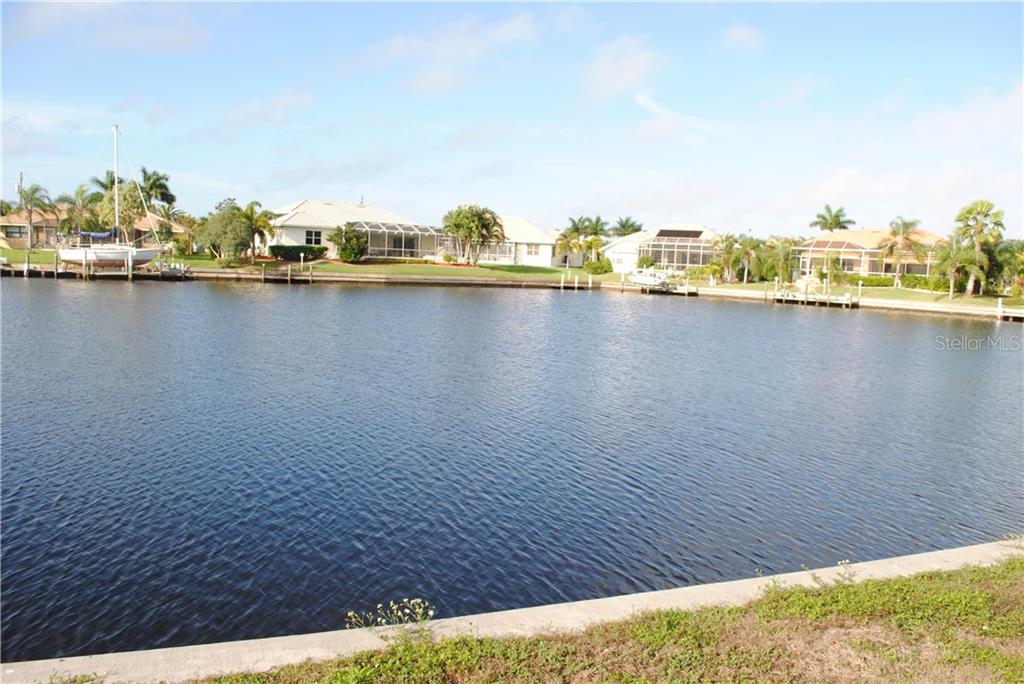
(257, 655)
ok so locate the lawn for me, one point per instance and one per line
(898, 294)
(36, 256)
(963, 625)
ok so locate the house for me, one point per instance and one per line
(46, 231)
(859, 252)
(14, 229)
(674, 247)
(389, 235)
(525, 244)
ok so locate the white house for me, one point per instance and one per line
(675, 247)
(525, 243)
(310, 222)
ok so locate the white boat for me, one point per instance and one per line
(649, 278)
(109, 256)
(106, 255)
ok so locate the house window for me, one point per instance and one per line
(312, 237)
(15, 231)
(532, 250)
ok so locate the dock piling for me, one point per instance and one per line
(26, 264)
(263, 274)
(289, 274)
(576, 282)
(561, 282)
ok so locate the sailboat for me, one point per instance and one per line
(115, 255)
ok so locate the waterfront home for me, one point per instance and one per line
(310, 222)
(673, 247)
(526, 244)
(46, 228)
(859, 252)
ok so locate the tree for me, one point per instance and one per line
(130, 208)
(351, 244)
(591, 243)
(154, 187)
(1008, 262)
(568, 243)
(727, 250)
(32, 199)
(224, 233)
(595, 226)
(80, 210)
(472, 228)
(5, 207)
(832, 220)
(778, 257)
(981, 223)
(105, 184)
(257, 222)
(225, 203)
(626, 225)
(168, 215)
(750, 256)
(902, 238)
(955, 257)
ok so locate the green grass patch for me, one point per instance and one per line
(939, 626)
(36, 256)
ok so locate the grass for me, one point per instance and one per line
(36, 256)
(942, 626)
(900, 294)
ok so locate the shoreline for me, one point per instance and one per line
(311, 277)
(259, 655)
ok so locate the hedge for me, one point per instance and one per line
(599, 267)
(293, 252)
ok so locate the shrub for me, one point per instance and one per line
(292, 252)
(598, 267)
(1015, 290)
(920, 282)
(352, 244)
(180, 246)
(450, 259)
(645, 261)
(868, 280)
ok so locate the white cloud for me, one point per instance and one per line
(270, 109)
(619, 66)
(797, 91)
(444, 57)
(741, 37)
(668, 125)
(153, 28)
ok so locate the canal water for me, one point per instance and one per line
(190, 463)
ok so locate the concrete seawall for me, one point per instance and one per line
(257, 655)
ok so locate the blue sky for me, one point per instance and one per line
(740, 117)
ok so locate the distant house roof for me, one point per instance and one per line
(48, 220)
(865, 239)
(518, 229)
(331, 214)
(673, 232)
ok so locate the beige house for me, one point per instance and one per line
(526, 244)
(46, 229)
(860, 252)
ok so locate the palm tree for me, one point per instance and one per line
(568, 243)
(591, 243)
(1009, 261)
(979, 222)
(30, 200)
(105, 184)
(778, 254)
(902, 238)
(832, 220)
(750, 256)
(577, 226)
(80, 209)
(595, 226)
(954, 257)
(257, 222)
(154, 187)
(627, 225)
(727, 247)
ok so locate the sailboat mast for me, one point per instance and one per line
(117, 199)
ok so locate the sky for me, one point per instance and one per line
(740, 117)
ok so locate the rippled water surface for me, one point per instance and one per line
(188, 463)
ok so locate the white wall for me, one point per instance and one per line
(623, 257)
